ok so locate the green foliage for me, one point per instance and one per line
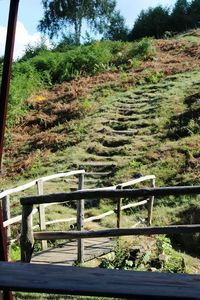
(40, 68)
(32, 51)
(15, 252)
(25, 81)
(60, 14)
(144, 49)
(159, 20)
(161, 258)
(116, 29)
(153, 23)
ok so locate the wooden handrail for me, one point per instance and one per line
(28, 185)
(98, 282)
(113, 194)
(61, 235)
(34, 182)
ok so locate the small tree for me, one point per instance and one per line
(152, 22)
(194, 14)
(179, 16)
(117, 29)
(58, 14)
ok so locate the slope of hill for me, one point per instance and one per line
(142, 118)
(139, 118)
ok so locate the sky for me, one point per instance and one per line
(30, 12)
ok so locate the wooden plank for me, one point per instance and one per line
(66, 254)
(98, 282)
(113, 194)
(176, 229)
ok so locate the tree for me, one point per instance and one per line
(179, 16)
(152, 22)
(194, 14)
(117, 29)
(60, 13)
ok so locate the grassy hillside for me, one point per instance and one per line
(125, 109)
(150, 87)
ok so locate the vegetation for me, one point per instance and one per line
(155, 22)
(135, 105)
(160, 257)
(40, 68)
(58, 14)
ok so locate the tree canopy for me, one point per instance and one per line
(156, 21)
(59, 15)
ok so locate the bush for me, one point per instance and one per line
(40, 68)
(25, 80)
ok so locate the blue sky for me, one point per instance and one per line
(30, 12)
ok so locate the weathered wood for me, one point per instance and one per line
(60, 221)
(42, 219)
(98, 282)
(67, 253)
(6, 216)
(80, 221)
(132, 205)
(27, 238)
(33, 183)
(61, 235)
(110, 212)
(113, 194)
(17, 219)
(119, 205)
(137, 180)
(151, 203)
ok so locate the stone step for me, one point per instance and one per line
(124, 132)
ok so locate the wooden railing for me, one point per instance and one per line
(39, 183)
(28, 236)
(79, 220)
(99, 282)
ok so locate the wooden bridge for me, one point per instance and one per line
(84, 281)
(72, 251)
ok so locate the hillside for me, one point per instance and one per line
(143, 118)
(136, 115)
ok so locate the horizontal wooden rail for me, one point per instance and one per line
(91, 194)
(111, 212)
(61, 235)
(125, 184)
(98, 282)
(34, 182)
(17, 219)
(21, 188)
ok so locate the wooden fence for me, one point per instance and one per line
(80, 220)
(39, 183)
(28, 236)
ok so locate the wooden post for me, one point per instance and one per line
(151, 203)
(40, 190)
(27, 238)
(80, 220)
(119, 205)
(6, 216)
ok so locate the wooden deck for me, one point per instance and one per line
(66, 254)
